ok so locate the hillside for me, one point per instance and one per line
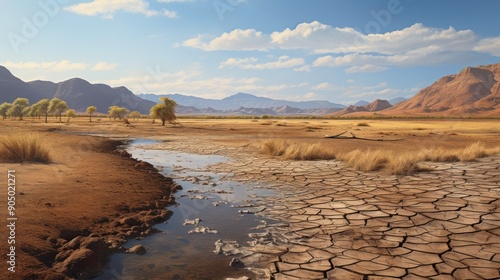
(11, 88)
(474, 91)
(78, 93)
(376, 106)
(234, 102)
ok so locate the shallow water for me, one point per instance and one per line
(176, 254)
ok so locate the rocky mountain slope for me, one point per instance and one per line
(474, 91)
(376, 106)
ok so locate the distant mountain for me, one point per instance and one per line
(11, 88)
(361, 103)
(375, 106)
(397, 100)
(242, 100)
(243, 111)
(475, 90)
(78, 93)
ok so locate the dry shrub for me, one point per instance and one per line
(438, 155)
(26, 147)
(366, 160)
(407, 163)
(362, 124)
(402, 165)
(274, 147)
(277, 147)
(469, 153)
(308, 152)
(473, 151)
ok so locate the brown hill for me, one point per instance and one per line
(474, 91)
(375, 106)
(10, 86)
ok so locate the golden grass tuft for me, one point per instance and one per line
(277, 147)
(274, 147)
(26, 147)
(375, 160)
(407, 163)
(308, 152)
(366, 160)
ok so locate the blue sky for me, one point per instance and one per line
(337, 50)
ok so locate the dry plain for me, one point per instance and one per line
(441, 223)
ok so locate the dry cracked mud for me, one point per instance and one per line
(335, 222)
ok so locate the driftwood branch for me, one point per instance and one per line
(339, 136)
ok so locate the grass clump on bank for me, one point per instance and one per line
(407, 163)
(282, 148)
(26, 147)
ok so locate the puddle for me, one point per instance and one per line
(185, 247)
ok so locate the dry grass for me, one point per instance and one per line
(277, 147)
(407, 163)
(469, 153)
(374, 160)
(26, 147)
(362, 124)
(274, 147)
(308, 152)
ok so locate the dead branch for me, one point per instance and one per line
(339, 136)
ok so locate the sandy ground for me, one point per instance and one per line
(87, 182)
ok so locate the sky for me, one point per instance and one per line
(342, 51)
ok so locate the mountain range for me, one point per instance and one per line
(474, 91)
(245, 100)
(78, 93)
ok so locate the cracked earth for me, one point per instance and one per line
(340, 223)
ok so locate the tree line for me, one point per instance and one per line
(20, 108)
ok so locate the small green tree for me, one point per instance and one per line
(4, 109)
(20, 108)
(164, 111)
(43, 107)
(34, 111)
(91, 110)
(57, 107)
(135, 115)
(116, 112)
(70, 114)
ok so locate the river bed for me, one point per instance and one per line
(208, 210)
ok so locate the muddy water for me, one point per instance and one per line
(175, 253)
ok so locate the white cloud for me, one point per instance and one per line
(104, 66)
(108, 8)
(175, 1)
(249, 63)
(192, 83)
(238, 39)
(368, 68)
(305, 68)
(169, 14)
(358, 52)
(58, 66)
(489, 45)
(353, 92)
(310, 95)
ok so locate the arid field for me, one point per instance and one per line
(85, 186)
